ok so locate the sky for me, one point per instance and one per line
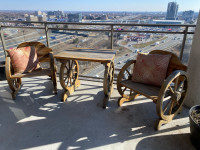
(97, 5)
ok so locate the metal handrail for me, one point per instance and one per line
(115, 24)
(111, 29)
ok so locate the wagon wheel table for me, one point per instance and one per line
(69, 69)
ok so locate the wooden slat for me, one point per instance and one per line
(94, 55)
(39, 72)
(143, 89)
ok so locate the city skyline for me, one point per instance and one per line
(94, 5)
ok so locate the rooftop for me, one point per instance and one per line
(37, 119)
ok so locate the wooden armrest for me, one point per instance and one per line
(8, 67)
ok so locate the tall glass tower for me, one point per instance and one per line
(172, 10)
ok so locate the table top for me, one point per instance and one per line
(87, 54)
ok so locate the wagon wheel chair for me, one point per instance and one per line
(44, 54)
(168, 98)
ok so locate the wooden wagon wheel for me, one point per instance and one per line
(108, 79)
(171, 97)
(125, 74)
(108, 82)
(69, 71)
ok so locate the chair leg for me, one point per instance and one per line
(158, 123)
(121, 100)
(15, 85)
(14, 94)
(54, 79)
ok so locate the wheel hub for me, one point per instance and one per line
(176, 96)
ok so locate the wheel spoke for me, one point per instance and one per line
(66, 67)
(128, 72)
(70, 81)
(69, 64)
(171, 107)
(124, 89)
(72, 64)
(171, 89)
(177, 103)
(166, 98)
(176, 83)
(65, 79)
(166, 106)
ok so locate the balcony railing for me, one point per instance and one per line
(111, 28)
(108, 28)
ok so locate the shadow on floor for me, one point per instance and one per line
(38, 119)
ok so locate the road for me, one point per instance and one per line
(34, 36)
(120, 61)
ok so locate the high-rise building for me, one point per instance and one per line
(74, 17)
(37, 13)
(32, 18)
(188, 16)
(42, 18)
(172, 10)
(56, 13)
(104, 17)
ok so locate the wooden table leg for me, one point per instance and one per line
(108, 82)
(69, 71)
(69, 91)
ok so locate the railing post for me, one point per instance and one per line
(183, 44)
(111, 37)
(47, 35)
(2, 40)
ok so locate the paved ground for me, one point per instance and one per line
(37, 120)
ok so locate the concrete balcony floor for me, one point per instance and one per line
(37, 120)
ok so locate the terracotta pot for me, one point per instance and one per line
(194, 128)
